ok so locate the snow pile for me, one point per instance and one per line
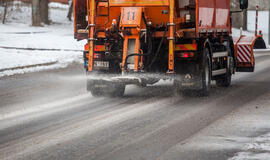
(18, 33)
(21, 58)
(236, 32)
(258, 149)
(58, 6)
(49, 37)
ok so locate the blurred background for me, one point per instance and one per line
(37, 35)
(38, 12)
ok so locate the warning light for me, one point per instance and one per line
(186, 55)
(97, 56)
(86, 47)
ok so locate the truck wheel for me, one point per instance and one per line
(206, 74)
(96, 92)
(178, 90)
(110, 90)
(118, 91)
(224, 81)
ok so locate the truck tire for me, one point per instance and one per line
(177, 89)
(206, 73)
(225, 80)
(96, 92)
(118, 91)
(107, 90)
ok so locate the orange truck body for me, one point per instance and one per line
(212, 16)
(179, 38)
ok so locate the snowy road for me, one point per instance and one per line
(49, 115)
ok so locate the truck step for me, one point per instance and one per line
(220, 54)
(219, 72)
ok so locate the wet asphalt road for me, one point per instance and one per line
(49, 115)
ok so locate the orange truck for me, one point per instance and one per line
(143, 41)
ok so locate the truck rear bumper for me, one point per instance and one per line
(187, 81)
(138, 79)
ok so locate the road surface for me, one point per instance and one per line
(49, 115)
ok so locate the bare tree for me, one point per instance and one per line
(70, 11)
(5, 3)
(40, 12)
(36, 19)
(44, 11)
(237, 18)
(245, 20)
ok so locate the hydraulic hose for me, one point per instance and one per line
(149, 52)
(159, 47)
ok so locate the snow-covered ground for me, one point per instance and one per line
(258, 149)
(18, 33)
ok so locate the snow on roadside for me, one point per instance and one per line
(32, 69)
(20, 58)
(236, 32)
(58, 5)
(49, 37)
(258, 149)
(18, 33)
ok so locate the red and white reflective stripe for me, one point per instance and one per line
(256, 23)
(244, 53)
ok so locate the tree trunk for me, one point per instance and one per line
(237, 18)
(70, 11)
(245, 20)
(269, 24)
(36, 19)
(5, 11)
(44, 11)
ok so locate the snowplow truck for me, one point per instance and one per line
(143, 41)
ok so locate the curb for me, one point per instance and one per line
(262, 51)
(29, 66)
(41, 49)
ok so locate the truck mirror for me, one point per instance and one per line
(243, 4)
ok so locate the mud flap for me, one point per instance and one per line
(244, 52)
